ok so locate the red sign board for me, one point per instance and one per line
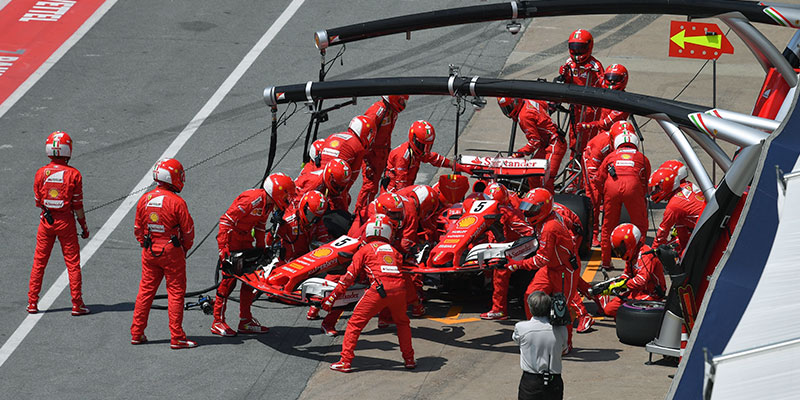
(697, 40)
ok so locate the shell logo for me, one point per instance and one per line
(626, 156)
(388, 260)
(323, 252)
(154, 217)
(467, 221)
(53, 193)
(700, 197)
(335, 143)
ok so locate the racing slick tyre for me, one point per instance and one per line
(638, 321)
(581, 206)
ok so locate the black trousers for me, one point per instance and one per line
(531, 386)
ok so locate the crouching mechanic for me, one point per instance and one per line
(685, 202)
(643, 278)
(58, 191)
(555, 260)
(514, 227)
(165, 231)
(244, 221)
(382, 265)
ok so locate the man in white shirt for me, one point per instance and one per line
(540, 347)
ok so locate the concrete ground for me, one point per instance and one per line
(460, 356)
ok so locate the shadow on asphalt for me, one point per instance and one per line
(424, 364)
(591, 355)
(98, 308)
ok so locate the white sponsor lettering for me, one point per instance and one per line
(58, 177)
(343, 136)
(330, 152)
(624, 163)
(6, 62)
(156, 202)
(48, 11)
(156, 228)
(627, 150)
(54, 203)
(390, 269)
(385, 247)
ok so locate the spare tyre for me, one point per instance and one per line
(638, 321)
(582, 207)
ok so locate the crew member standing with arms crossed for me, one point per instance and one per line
(165, 230)
(58, 191)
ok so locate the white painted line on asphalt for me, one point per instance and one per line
(39, 73)
(111, 224)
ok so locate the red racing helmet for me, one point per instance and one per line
(363, 127)
(664, 182)
(625, 241)
(420, 137)
(580, 45)
(510, 106)
(169, 172)
(537, 204)
(336, 175)
(58, 144)
(280, 188)
(379, 227)
(390, 205)
(312, 207)
(676, 166)
(621, 127)
(396, 102)
(615, 77)
(496, 191)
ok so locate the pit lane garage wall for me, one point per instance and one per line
(731, 318)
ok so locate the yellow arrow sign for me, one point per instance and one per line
(713, 41)
(452, 317)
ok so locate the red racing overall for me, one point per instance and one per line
(514, 227)
(682, 212)
(244, 221)
(595, 152)
(162, 215)
(552, 260)
(382, 265)
(629, 188)
(645, 281)
(58, 187)
(375, 157)
(543, 139)
(403, 166)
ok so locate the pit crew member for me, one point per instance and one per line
(165, 230)
(58, 191)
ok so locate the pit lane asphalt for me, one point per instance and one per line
(133, 83)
